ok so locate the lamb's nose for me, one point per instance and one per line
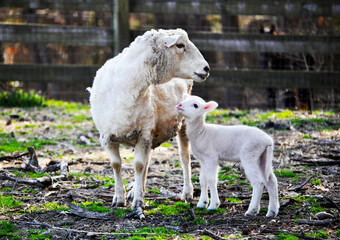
(206, 69)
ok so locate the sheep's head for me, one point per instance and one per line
(193, 107)
(181, 56)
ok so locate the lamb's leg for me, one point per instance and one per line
(142, 155)
(211, 172)
(204, 199)
(116, 163)
(184, 154)
(256, 179)
(273, 208)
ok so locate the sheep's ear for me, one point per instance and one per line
(210, 106)
(171, 40)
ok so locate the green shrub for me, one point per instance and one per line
(19, 98)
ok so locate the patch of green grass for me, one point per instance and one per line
(94, 206)
(283, 236)
(7, 230)
(337, 233)
(80, 118)
(6, 189)
(284, 173)
(234, 200)
(19, 98)
(49, 206)
(227, 174)
(29, 174)
(306, 136)
(8, 143)
(316, 181)
(319, 234)
(204, 211)
(38, 234)
(8, 202)
(195, 179)
(170, 210)
(153, 233)
(67, 106)
(317, 123)
(155, 191)
(199, 220)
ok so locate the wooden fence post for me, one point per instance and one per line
(121, 25)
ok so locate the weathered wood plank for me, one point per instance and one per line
(258, 43)
(66, 35)
(231, 78)
(77, 5)
(295, 8)
(48, 73)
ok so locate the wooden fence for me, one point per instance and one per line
(119, 35)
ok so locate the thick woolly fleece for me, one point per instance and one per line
(248, 145)
(133, 101)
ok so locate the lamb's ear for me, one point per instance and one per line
(185, 95)
(171, 40)
(210, 106)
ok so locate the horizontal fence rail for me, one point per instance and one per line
(65, 35)
(241, 7)
(230, 78)
(298, 8)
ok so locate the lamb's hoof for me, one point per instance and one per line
(271, 214)
(213, 206)
(251, 212)
(118, 203)
(137, 203)
(186, 198)
(202, 204)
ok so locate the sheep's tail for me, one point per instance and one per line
(89, 89)
(266, 162)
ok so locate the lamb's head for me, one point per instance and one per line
(194, 107)
(178, 56)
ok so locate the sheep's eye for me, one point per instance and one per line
(195, 105)
(180, 45)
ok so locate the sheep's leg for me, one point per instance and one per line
(142, 155)
(255, 177)
(273, 208)
(184, 154)
(116, 163)
(204, 199)
(211, 173)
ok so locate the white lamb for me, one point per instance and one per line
(131, 101)
(249, 145)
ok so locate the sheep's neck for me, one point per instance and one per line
(196, 127)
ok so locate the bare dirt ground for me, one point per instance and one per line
(306, 163)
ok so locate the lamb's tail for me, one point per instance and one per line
(266, 162)
(89, 89)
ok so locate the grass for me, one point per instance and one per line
(19, 98)
(228, 175)
(234, 200)
(155, 233)
(283, 236)
(49, 206)
(319, 234)
(8, 202)
(7, 230)
(284, 173)
(98, 207)
(8, 143)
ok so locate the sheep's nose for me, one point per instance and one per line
(206, 69)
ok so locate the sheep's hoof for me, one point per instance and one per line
(213, 206)
(251, 212)
(271, 214)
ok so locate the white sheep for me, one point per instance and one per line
(130, 101)
(249, 145)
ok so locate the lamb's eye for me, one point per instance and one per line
(195, 105)
(180, 45)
